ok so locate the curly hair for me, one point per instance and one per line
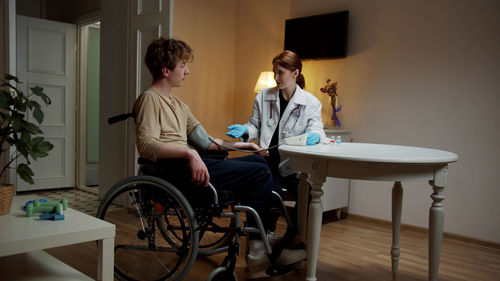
(166, 53)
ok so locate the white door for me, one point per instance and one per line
(46, 57)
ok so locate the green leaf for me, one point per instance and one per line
(25, 172)
(5, 100)
(20, 104)
(9, 77)
(45, 147)
(38, 115)
(16, 124)
(31, 128)
(38, 91)
(16, 130)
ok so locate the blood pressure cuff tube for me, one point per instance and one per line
(199, 138)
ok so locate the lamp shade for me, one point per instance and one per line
(266, 80)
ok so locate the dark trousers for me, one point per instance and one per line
(248, 178)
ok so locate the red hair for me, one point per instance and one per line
(291, 61)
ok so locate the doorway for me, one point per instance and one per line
(88, 77)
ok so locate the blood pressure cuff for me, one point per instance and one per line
(199, 138)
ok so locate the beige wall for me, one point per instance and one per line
(261, 27)
(233, 42)
(423, 75)
(209, 27)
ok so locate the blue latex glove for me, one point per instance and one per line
(237, 130)
(312, 138)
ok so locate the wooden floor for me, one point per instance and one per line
(350, 249)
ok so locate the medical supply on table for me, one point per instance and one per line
(46, 207)
(296, 140)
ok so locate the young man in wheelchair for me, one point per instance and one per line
(164, 125)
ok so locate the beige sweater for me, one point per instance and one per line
(158, 122)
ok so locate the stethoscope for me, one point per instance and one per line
(271, 122)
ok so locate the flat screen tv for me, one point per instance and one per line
(318, 37)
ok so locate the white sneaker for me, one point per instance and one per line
(288, 256)
(257, 266)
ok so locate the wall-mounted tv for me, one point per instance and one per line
(318, 37)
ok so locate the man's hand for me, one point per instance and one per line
(263, 153)
(199, 170)
(251, 146)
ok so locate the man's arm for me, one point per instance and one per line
(219, 144)
(199, 172)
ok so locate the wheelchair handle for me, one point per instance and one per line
(119, 118)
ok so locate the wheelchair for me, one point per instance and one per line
(157, 225)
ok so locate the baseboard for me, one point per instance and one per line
(447, 235)
(88, 189)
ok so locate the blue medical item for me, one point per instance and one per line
(51, 216)
(237, 130)
(312, 138)
(32, 202)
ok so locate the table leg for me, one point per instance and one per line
(105, 259)
(397, 203)
(436, 219)
(314, 230)
(302, 200)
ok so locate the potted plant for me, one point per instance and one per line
(18, 132)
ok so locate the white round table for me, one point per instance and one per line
(379, 162)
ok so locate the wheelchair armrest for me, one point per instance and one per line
(144, 161)
(217, 154)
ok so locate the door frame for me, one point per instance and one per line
(81, 105)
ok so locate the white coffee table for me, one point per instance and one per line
(377, 162)
(22, 239)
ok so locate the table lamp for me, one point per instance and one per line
(266, 80)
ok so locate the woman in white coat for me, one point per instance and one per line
(281, 112)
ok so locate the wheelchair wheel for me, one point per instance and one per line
(135, 205)
(216, 233)
(221, 274)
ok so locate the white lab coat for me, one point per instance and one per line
(302, 114)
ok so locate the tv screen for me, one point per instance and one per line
(320, 36)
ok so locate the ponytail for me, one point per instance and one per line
(301, 81)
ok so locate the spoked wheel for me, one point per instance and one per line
(135, 205)
(215, 232)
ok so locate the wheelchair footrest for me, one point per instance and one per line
(279, 270)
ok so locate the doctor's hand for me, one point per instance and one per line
(312, 138)
(237, 130)
(199, 171)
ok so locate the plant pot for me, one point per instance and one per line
(6, 193)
